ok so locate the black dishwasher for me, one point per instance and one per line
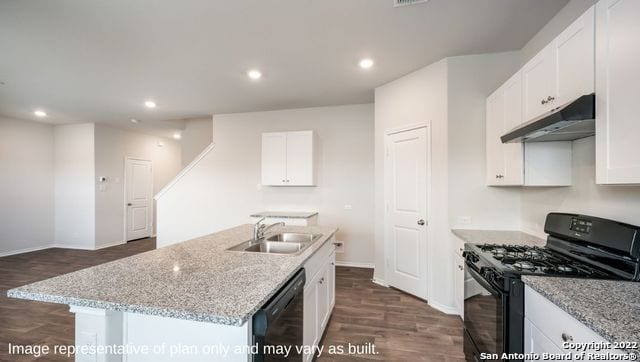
(277, 326)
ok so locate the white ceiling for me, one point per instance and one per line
(100, 60)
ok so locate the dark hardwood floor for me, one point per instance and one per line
(26, 322)
(400, 326)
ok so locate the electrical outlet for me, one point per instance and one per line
(464, 220)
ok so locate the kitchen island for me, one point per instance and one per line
(194, 299)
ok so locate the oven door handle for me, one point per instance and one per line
(483, 282)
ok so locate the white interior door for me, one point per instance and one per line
(406, 177)
(139, 198)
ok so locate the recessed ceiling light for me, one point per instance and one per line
(366, 63)
(150, 104)
(177, 136)
(40, 113)
(133, 120)
(254, 74)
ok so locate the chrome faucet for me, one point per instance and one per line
(259, 228)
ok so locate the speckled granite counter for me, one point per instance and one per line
(610, 308)
(195, 280)
(498, 237)
(285, 214)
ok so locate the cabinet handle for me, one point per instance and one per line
(543, 102)
(321, 280)
(550, 99)
(284, 180)
(567, 337)
(460, 267)
(461, 250)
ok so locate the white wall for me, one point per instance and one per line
(223, 189)
(451, 95)
(620, 203)
(471, 79)
(26, 185)
(74, 186)
(112, 145)
(416, 98)
(196, 136)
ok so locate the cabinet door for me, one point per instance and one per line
(323, 300)
(513, 170)
(332, 282)
(274, 158)
(458, 270)
(617, 79)
(300, 168)
(310, 321)
(539, 84)
(494, 127)
(575, 57)
(536, 342)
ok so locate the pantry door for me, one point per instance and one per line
(406, 222)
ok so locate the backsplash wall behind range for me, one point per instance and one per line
(620, 203)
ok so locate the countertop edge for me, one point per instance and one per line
(162, 312)
(266, 215)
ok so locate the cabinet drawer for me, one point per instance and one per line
(556, 324)
(313, 265)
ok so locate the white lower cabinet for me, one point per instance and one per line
(549, 329)
(319, 295)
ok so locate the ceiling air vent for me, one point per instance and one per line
(397, 3)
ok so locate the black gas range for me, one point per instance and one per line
(578, 246)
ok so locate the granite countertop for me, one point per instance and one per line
(195, 280)
(498, 237)
(285, 214)
(610, 308)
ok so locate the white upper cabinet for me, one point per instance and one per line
(617, 92)
(504, 111)
(562, 71)
(288, 158)
(575, 59)
(539, 83)
(274, 158)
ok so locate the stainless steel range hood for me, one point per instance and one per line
(571, 121)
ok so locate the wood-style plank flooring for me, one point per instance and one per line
(400, 326)
(26, 322)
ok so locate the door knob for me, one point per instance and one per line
(421, 222)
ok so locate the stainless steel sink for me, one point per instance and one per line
(283, 243)
(293, 237)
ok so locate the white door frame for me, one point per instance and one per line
(387, 193)
(124, 197)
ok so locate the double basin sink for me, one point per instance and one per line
(282, 243)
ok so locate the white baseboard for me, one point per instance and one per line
(380, 282)
(25, 250)
(107, 245)
(444, 308)
(68, 246)
(354, 264)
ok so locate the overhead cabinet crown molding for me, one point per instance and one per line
(288, 158)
